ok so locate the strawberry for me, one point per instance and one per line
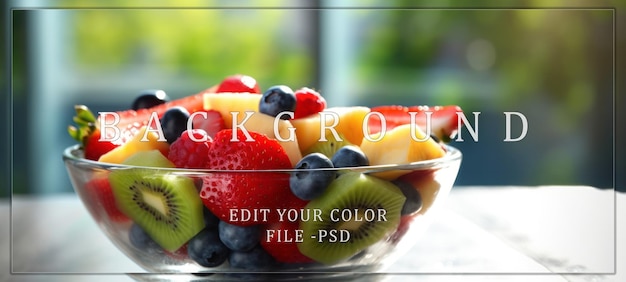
(100, 191)
(88, 132)
(308, 102)
(239, 83)
(444, 123)
(226, 191)
(286, 250)
(261, 153)
(141, 117)
(89, 135)
(211, 124)
(94, 148)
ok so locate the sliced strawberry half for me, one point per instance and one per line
(224, 192)
(444, 121)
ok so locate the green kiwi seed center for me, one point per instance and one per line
(155, 201)
(352, 224)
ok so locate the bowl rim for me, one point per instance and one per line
(74, 154)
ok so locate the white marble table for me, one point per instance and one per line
(482, 234)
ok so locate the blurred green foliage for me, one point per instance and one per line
(535, 48)
(553, 65)
(201, 43)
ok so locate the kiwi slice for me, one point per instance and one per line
(328, 147)
(166, 206)
(151, 158)
(355, 211)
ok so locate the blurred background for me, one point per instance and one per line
(556, 66)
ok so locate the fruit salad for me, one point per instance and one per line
(265, 178)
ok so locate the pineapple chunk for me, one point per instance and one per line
(227, 103)
(136, 144)
(397, 146)
(349, 124)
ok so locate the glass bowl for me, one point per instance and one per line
(433, 180)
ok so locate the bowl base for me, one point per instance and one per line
(261, 276)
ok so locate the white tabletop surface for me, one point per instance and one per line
(547, 233)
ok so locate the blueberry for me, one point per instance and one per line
(174, 123)
(349, 156)
(140, 239)
(308, 185)
(255, 259)
(278, 99)
(206, 248)
(149, 98)
(239, 238)
(413, 201)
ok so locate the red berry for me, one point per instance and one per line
(308, 102)
(279, 240)
(186, 152)
(94, 148)
(88, 134)
(261, 153)
(443, 123)
(238, 83)
(226, 191)
(212, 124)
(99, 190)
